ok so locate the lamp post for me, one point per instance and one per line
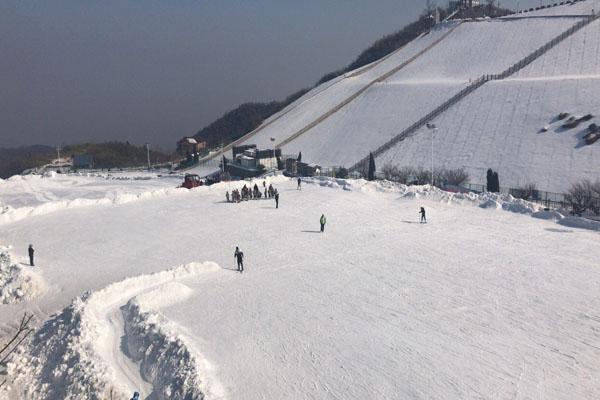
(432, 128)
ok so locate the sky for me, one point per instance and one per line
(155, 71)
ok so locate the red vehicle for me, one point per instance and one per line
(191, 181)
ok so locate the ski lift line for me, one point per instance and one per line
(474, 86)
(380, 79)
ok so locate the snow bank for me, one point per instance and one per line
(72, 356)
(49, 174)
(9, 214)
(578, 222)
(166, 360)
(494, 201)
(484, 200)
(17, 283)
(549, 215)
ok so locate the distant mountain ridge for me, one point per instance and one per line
(106, 155)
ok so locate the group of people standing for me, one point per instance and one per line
(251, 193)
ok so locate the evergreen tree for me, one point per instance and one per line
(371, 174)
(300, 157)
(489, 180)
(496, 183)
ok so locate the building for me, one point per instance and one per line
(454, 4)
(190, 145)
(248, 161)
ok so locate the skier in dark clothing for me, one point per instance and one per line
(31, 251)
(323, 221)
(422, 212)
(299, 184)
(276, 199)
(240, 259)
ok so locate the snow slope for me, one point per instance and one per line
(325, 97)
(499, 126)
(477, 303)
(576, 56)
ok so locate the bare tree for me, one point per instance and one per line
(22, 332)
(582, 196)
(456, 176)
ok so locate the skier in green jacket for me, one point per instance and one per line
(323, 221)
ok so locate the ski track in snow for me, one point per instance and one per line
(398, 329)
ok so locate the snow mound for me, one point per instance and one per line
(484, 200)
(17, 283)
(49, 174)
(9, 214)
(166, 360)
(72, 355)
(578, 222)
(549, 215)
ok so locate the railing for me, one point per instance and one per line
(472, 87)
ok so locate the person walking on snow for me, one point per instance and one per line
(299, 184)
(276, 199)
(323, 221)
(31, 251)
(422, 212)
(239, 256)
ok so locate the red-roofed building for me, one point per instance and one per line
(190, 145)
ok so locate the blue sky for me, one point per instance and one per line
(154, 71)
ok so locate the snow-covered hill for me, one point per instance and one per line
(340, 122)
(143, 296)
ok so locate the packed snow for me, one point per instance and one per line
(482, 301)
(577, 56)
(330, 94)
(499, 126)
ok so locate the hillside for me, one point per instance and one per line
(247, 117)
(494, 126)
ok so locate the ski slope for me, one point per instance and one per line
(499, 127)
(578, 55)
(330, 94)
(495, 127)
(379, 306)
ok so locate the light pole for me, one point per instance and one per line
(432, 128)
(148, 154)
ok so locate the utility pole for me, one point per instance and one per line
(148, 154)
(58, 153)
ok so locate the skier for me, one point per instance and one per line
(240, 259)
(323, 221)
(276, 199)
(31, 251)
(227, 196)
(422, 212)
(299, 184)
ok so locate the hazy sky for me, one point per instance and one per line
(154, 71)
